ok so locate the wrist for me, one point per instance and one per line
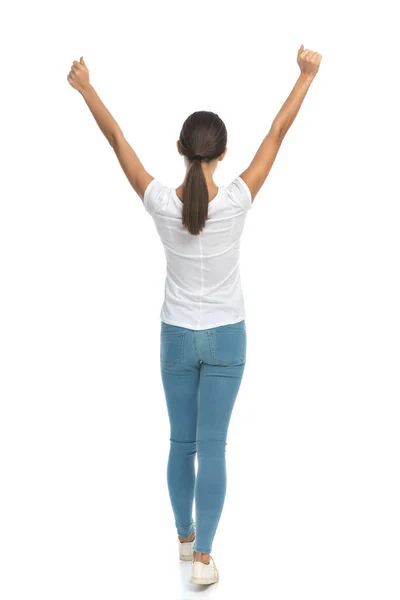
(306, 77)
(87, 89)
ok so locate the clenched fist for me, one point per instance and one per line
(78, 77)
(308, 61)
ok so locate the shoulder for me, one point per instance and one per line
(239, 192)
(153, 195)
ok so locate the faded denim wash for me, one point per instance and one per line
(201, 373)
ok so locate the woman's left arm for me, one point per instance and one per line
(137, 175)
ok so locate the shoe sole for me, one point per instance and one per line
(202, 581)
(187, 557)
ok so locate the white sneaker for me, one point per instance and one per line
(186, 548)
(204, 574)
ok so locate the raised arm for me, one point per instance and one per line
(256, 173)
(137, 175)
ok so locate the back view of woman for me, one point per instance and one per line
(203, 333)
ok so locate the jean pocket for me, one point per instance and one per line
(228, 346)
(171, 347)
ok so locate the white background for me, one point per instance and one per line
(312, 506)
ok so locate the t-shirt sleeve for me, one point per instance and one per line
(152, 196)
(240, 193)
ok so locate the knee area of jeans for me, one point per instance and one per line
(211, 448)
(183, 446)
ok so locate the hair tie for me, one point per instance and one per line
(197, 157)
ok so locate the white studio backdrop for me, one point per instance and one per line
(313, 446)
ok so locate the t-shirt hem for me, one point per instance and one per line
(188, 326)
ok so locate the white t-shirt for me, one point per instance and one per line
(202, 286)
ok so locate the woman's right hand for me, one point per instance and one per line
(308, 62)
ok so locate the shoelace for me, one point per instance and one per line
(214, 565)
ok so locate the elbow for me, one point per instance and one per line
(279, 131)
(114, 138)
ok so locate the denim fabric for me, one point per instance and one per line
(201, 373)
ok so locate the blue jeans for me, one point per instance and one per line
(201, 372)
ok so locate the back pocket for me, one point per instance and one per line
(228, 346)
(171, 347)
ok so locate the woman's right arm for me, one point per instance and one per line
(256, 173)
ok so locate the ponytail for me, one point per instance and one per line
(195, 199)
(204, 132)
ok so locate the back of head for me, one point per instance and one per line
(203, 135)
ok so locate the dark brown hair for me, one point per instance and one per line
(203, 134)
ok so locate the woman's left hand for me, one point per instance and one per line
(78, 76)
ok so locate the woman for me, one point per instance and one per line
(203, 333)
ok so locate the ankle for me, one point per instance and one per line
(203, 557)
(187, 539)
